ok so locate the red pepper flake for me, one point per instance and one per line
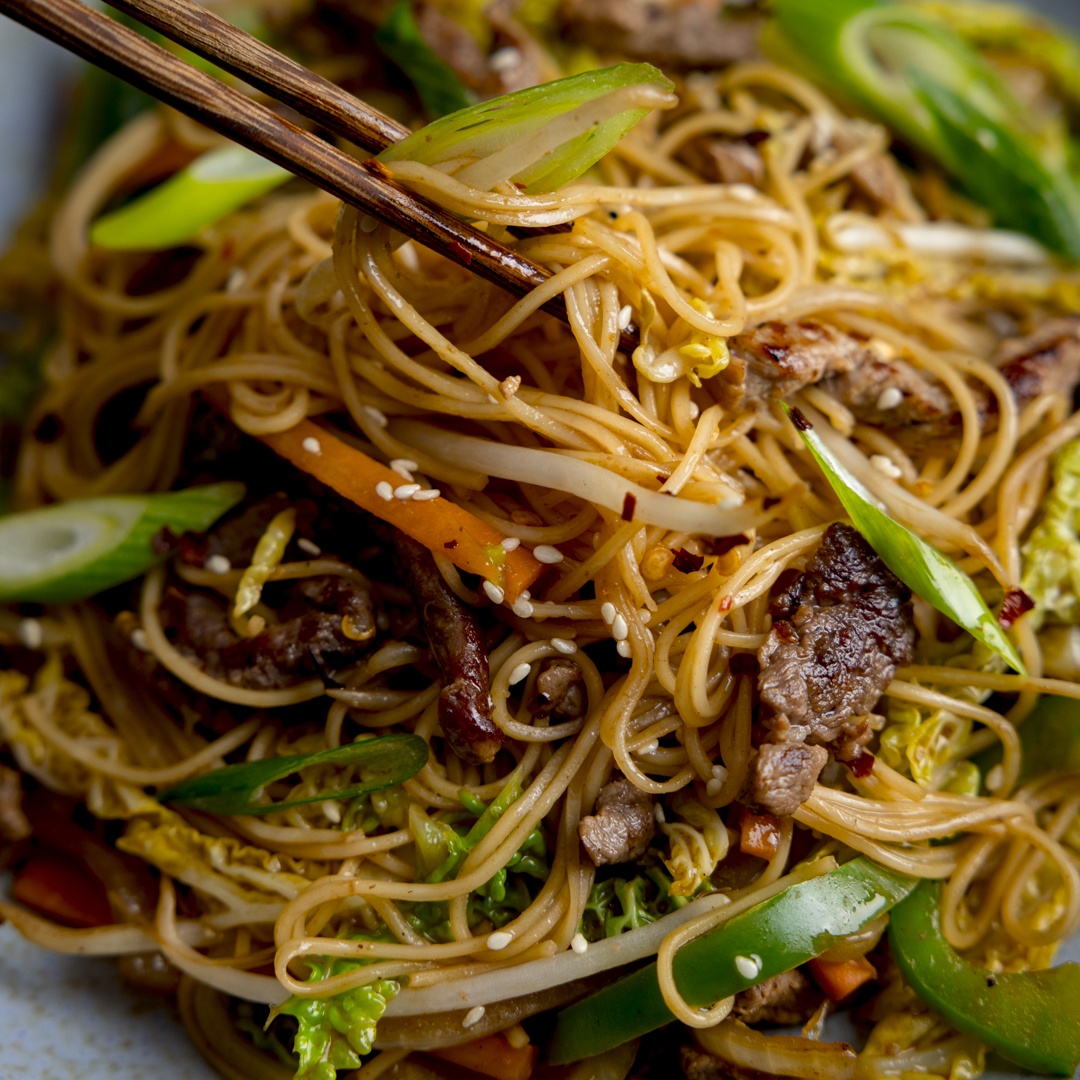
(770, 501)
(228, 248)
(462, 252)
(520, 187)
(1016, 603)
(194, 547)
(686, 562)
(164, 541)
(723, 544)
(744, 663)
(629, 505)
(760, 835)
(726, 604)
(450, 544)
(800, 421)
(861, 766)
(755, 138)
(662, 477)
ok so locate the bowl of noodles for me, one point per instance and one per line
(406, 682)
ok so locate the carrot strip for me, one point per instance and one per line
(759, 835)
(444, 527)
(492, 1055)
(841, 978)
(57, 886)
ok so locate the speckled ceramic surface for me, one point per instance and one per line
(66, 1017)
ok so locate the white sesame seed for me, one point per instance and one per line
(730, 503)
(331, 811)
(406, 491)
(625, 315)
(404, 467)
(579, 944)
(623, 649)
(619, 630)
(510, 543)
(749, 966)
(522, 608)
(140, 640)
(499, 940)
(407, 254)
(713, 787)
(235, 281)
(377, 416)
(368, 224)
(608, 612)
(337, 300)
(719, 773)
(886, 466)
(384, 490)
(218, 564)
(473, 1017)
(312, 445)
(505, 59)
(494, 593)
(426, 495)
(695, 410)
(995, 778)
(31, 634)
(519, 673)
(889, 398)
(273, 864)
(309, 547)
(545, 553)
(559, 644)
(658, 813)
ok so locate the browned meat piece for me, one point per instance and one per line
(1047, 361)
(839, 632)
(784, 775)
(622, 826)
(698, 1065)
(13, 823)
(560, 692)
(458, 648)
(861, 389)
(684, 33)
(724, 161)
(789, 998)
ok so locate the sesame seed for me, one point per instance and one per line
(886, 466)
(337, 300)
(889, 398)
(473, 1017)
(519, 673)
(608, 612)
(273, 864)
(623, 649)
(995, 778)
(578, 943)
(406, 491)
(713, 787)
(510, 543)
(377, 416)
(31, 634)
(658, 813)
(625, 315)
(494, 593)
(749, 967)
(140, 640)
(499, 940)
(384, 490)
(309, 547)
(312, 445)
(504, 59)
(545, 553)
(619, 630)
(695, 410)
(404, 467)
(368, 224)
(559, 644)
(730, 503)
(331, 811)
(218, 564)
(522, 608)
(426, 495)
(719, 773)
(235, 281)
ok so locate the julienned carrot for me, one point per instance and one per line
(58, 887)
(841, 978)
(492, 1055)
(759, 835)
(443, 526)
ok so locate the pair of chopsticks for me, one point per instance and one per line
(104, 42)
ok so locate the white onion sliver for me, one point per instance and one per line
(777, 1055)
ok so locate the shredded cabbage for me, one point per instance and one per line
(698, 843)
(914, 1041)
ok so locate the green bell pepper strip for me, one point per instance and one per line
(1049, 741)
(1028, 1017)
(383, 762)
(795, 926)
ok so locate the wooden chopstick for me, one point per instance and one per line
(106, 43)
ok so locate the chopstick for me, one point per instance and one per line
(104, 42)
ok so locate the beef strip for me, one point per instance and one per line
(13, 822)
(788, 998)
(458, 648)
(724, 161)
(784, 775)
(924, 402)
(622, 826)
(560, 692)
(690, 33)
(1046, 361)
(839, 631)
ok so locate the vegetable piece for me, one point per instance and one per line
(67, 552)
(213, 185)
(492, 1056)
(920, 77)
(1028, 1017)
(269, 552)
(543, 137)
(841, 978)
(919, 565)
(617, 905)
(777, 1055)
(759, 834)
(57, 886)
(776, 936)
(1049, 741)
(439, 88)
(382, 761)
(445, 528)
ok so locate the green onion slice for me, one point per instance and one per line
(67, 552)
(382, 761)
(919, 565)
(213, 185)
